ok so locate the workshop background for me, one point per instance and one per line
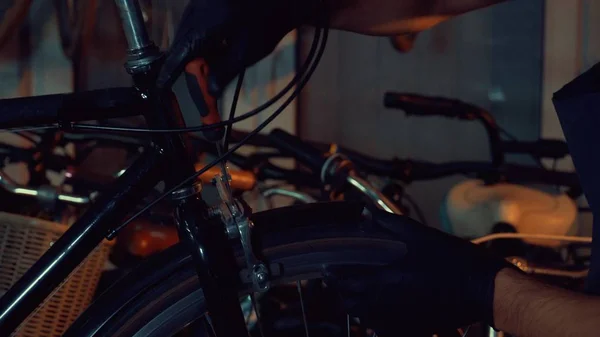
(508, 58)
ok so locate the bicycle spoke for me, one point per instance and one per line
(299, 287)
(258, 321)
(348, 324)
(210, 324)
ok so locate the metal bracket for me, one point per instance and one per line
(274, 270)
(238, 226)
(187, 192)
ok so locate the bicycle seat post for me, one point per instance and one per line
(133, 24)
(141, 51)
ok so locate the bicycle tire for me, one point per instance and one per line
(12, 15)
(160, 302)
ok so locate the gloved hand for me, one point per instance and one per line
(442, 283)
(232, 35)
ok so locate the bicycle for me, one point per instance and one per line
(464, 211)
(558, 263)
(225, 253)
(207, 271)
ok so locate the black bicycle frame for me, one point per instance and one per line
(167, 159)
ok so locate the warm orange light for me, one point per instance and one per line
(148, 239)
(240, 180)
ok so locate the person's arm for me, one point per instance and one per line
(528, 308)
(393, 17)
(273, 19)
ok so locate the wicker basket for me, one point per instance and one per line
(23, 240)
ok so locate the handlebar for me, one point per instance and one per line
(543, 148)
(536, 175)
(411, 170)
(315, 160)
(67, 108)
(420, 105)
(413, 104)
(294, 146)
(408, 171)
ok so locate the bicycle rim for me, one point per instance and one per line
(173, 299)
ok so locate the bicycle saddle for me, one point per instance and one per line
(472, 209)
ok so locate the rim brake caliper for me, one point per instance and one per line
(235, 216)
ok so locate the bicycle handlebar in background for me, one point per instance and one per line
(315, 160)
(67, 108)
(543, 148)
(411, 170)
(297, 148)
(420, 105)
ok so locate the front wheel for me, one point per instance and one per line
(162, 297)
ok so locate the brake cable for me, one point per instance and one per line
(263, 125)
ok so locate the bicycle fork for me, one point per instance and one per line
(215, 265)
(206, 236)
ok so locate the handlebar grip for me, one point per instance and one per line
(543, 148)
(421, 105)
(196, 77)
(305, 153)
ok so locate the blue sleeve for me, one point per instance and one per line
(578, 107)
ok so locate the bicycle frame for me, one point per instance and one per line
(167, 160)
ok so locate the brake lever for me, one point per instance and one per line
(197, 74)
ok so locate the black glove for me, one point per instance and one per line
(442, 283)
(232, 35)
